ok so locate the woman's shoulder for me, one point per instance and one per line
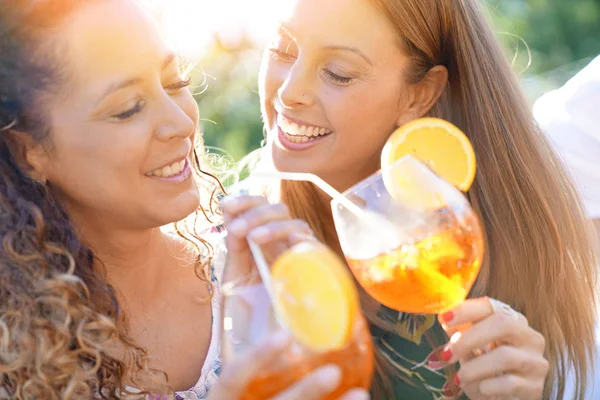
(214, 237)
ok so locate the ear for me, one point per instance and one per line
(29, 154)
(425, 94)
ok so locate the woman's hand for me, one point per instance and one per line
(268, 225)
(271, 227)
(239, 373)
(511, 367)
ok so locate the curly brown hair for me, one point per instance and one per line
(58, 315)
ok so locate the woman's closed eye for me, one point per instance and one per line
(172, 89)
(139, 105)
(337, 79)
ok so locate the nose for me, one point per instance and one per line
(297, 89)
(174, 121)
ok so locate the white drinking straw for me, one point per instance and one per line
(321, 184)
(261, 264)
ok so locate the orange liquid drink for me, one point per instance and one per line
(313, 296)
(428, 275)
(355, 361)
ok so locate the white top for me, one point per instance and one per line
(570, 117)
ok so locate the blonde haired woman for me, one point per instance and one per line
(352, 71)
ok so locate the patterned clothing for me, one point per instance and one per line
(407, 348)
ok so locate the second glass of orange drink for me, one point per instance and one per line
(418, 245)
(313, 296)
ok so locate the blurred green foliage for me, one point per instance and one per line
(228, 98)
(549, 39)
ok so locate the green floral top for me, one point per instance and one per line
(407, 349)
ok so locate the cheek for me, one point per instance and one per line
(271, 78)
(366, 114)
(99, 159)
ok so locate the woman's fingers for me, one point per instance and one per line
(495, 330)
(501, 356)
(511, 386)
(233, 206)
(280, 230)
(316, 385)
(239, 373)
(356, 394)
(472, 311)
(504, 359)
(243, 223)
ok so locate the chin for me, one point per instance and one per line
(290, 163)
(177, 209)
(287, 165)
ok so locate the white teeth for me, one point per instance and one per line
(292, 129)
(169, 170)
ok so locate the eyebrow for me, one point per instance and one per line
(169, 59)
(351, 49)
(281, 28)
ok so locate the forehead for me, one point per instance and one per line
(341, 22)
(107, 40)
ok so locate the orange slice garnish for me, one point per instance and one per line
(437, 143)
(315, 296)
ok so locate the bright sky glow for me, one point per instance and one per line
(190, 25)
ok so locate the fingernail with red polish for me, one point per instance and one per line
(457, 380)
(433, 361)
(450, 390)
(446, 354)
(447, 316)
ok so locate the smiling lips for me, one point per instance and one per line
(168, 171)
(300, 133)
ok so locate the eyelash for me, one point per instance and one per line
(281, 55)
(336, 78)
(182, 83)
(132, 111)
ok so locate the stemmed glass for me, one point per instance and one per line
(418, 246)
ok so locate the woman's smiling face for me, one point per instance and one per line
(332, 89)
(122, 130)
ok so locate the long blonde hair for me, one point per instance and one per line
(539, 256)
